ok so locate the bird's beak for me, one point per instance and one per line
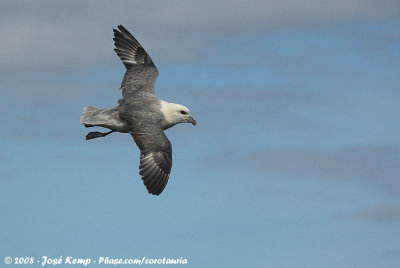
(191, 120)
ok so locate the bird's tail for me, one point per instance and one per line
(92, 116)
(109, 118)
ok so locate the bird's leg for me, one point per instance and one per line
(96, 134)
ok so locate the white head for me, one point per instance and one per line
(174, 114)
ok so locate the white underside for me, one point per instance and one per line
(166, 110)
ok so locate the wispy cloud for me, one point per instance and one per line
(392, 251)
(381, 213)
(374, 166)
(43, 35)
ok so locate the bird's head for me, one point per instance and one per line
(175, 114)
(181, 114)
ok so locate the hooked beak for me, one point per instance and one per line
(191, 120)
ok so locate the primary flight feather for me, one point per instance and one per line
(140, 113)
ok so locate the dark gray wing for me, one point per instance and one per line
(155, 156)
(141, 73)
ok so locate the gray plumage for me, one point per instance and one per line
(140, 113)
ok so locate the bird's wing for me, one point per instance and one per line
(141, 73)
(155, 156)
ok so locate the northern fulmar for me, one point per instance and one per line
(140, 113)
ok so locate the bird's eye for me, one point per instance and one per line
(183, 112)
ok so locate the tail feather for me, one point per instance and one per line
(109, 118)
(92, 116)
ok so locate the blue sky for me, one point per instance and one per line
(295, 160)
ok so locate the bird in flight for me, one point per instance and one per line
(140, 113)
